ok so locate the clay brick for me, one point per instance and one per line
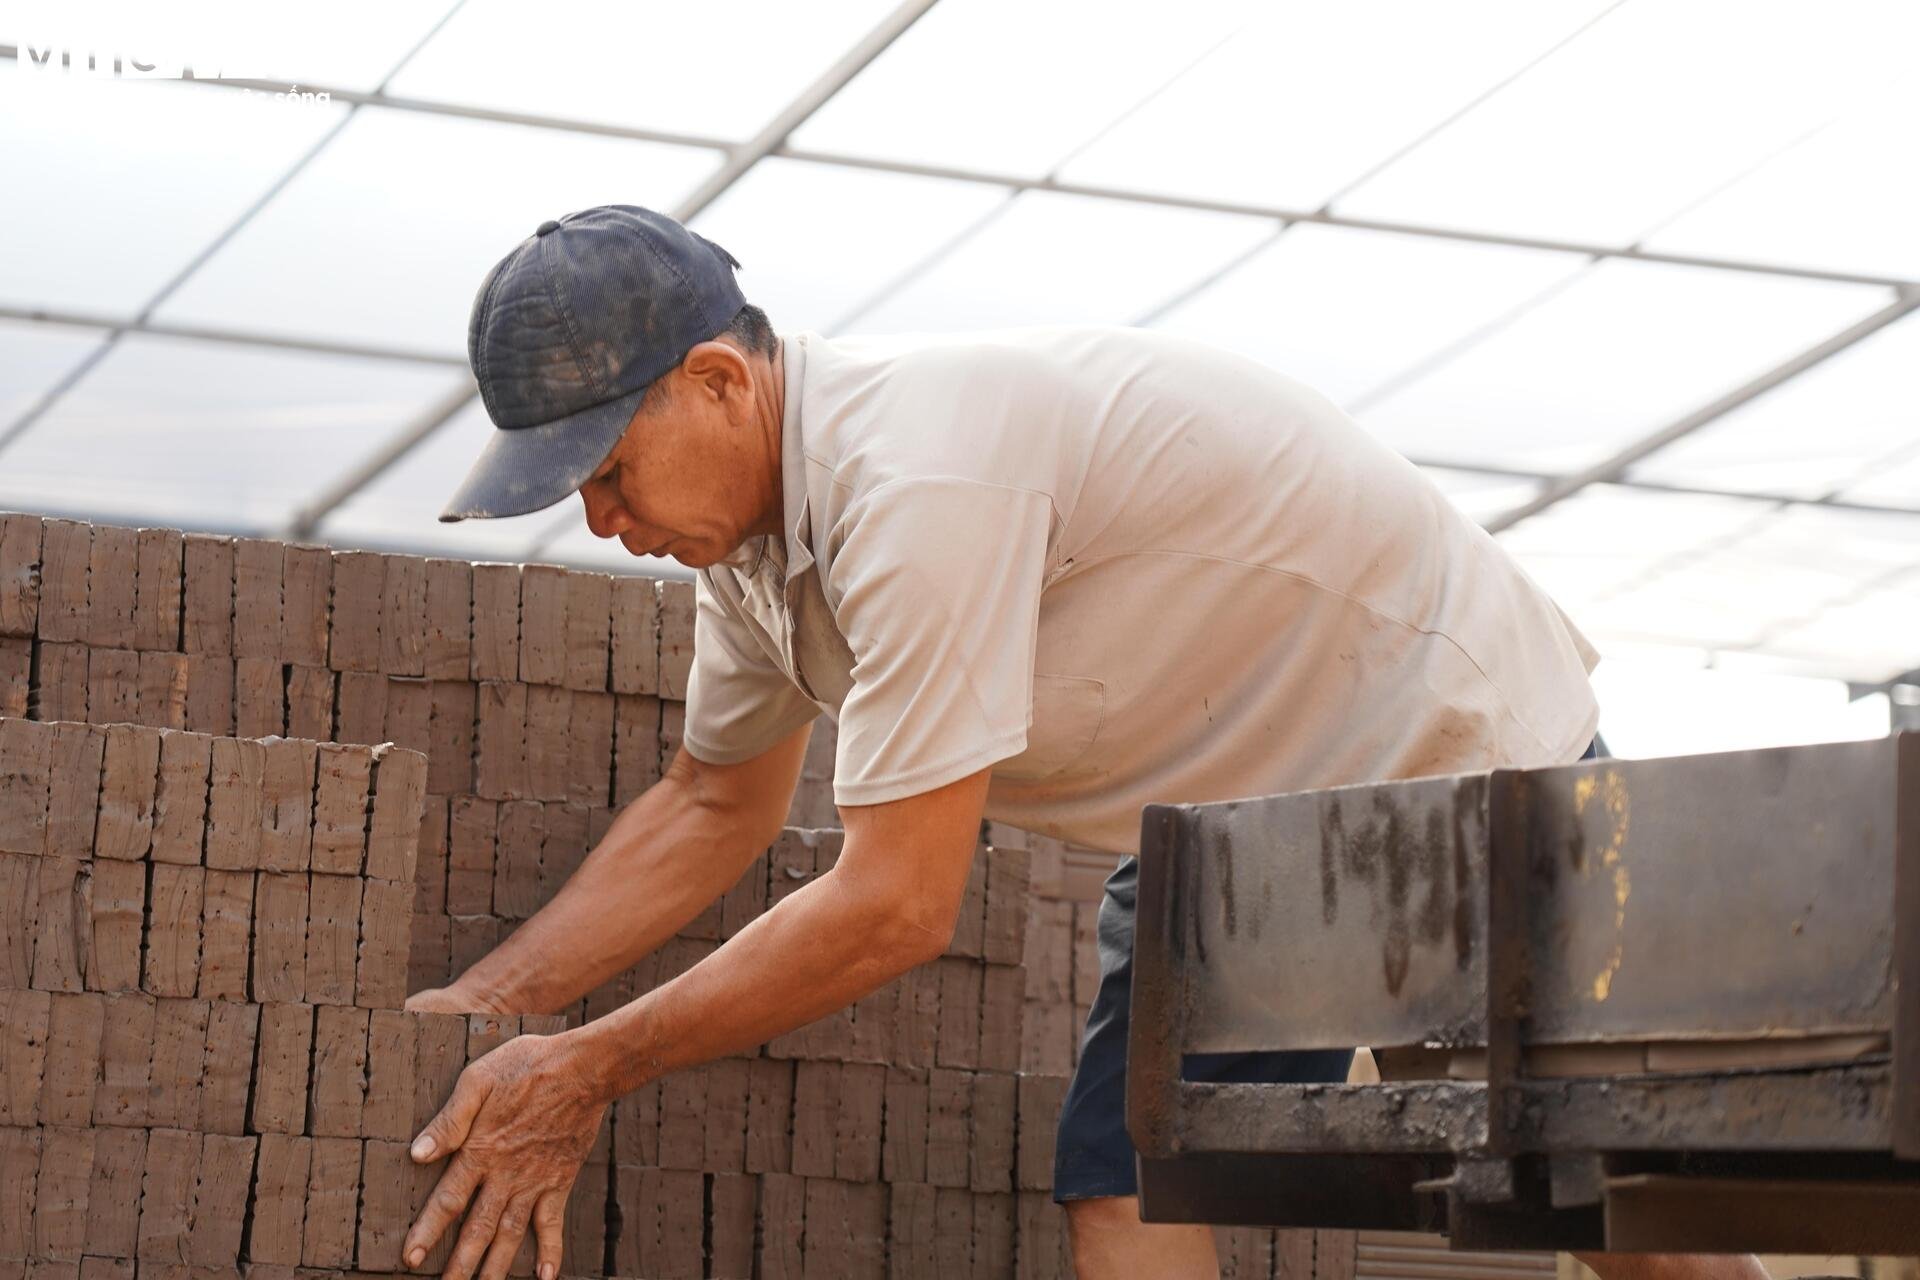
(60, 1197)
(469, 940)
(672, 1204)
(19, 574)
(118, 905)
(496, 622)
(175, 903)
(113, 1191)
(543, 624)
(827, 1243)
(361, 715)
(1048, 1036)
(430, 858)
(1038, 1103)
(856, 1136)
(208, 616)
(26, 766)
(635, 638)
(676, 638)
(875, 1017)
(563, 846)
(333, 1193)
(487, 1032)
(585, 1232)
(234, 822)
(113, 686)
(220, 1200)
(683, 1119)
(287, 769)
(501, 771)
(589, 750)
(866, 1219)
(903, 1154)
(279, 1199)
(210, 694)
(386, 1178)
(310, 703)
(280, 936)
(816, 1112)
(993, 1217)
(112, 568)
(403, 616)
(73, 800)
(333, 937)
(306, 594)
(782, 1226)
(232, 1029)
(338, 1091)
(226, 928)
(63, 924)
(259, 698)
(359, 586)
(726, 1116)
(1000, 1014)
(162, 697)
(949, 1097)
(23, 1054)
(280, 1088)
(960, 994)
(516, 861)
(19, 1170)
(344, 778)
(16, 675)
(258, 567)
(179, 1058)
(1008, 894)
(450, 725)
(386, 920)
(730, 1212)
(549, 746)
(429, 957)
(19, 917)
(388, 1111)
(953, 1232)
(991, 1150)
(471, 828)
(166, 1195)
(440, 1054)
(589, 617)
(447, 645)
(1040, 1240)
(158, 584)
(126, 1060)
(62, 680)
(399, 786)
(910, 1231)
(969, 928)
(636, 746)
(183, 769)
(65, 548)
(409, 714)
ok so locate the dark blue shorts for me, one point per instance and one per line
(1093, 1156)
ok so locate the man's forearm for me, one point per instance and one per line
(819, 950)
(663, 860)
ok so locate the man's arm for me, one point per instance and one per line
(522, 1118)
(669, 854)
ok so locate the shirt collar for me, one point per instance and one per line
(793, 461)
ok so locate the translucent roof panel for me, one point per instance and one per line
(1054, 259)
(1654, 108)
(1871, 639)
(1606, 537)
(1346, 311)
(643, 65)
(1619, 353)
(338, 44)
(1895, 482)
(182, 432)
(1818, 432)
(115, 186)
(385, 237)
(1479, 495)
(1842, 200)
(816, 240)
(1309, 97)
(35, 356)
(1014, 87)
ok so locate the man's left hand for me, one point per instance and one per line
(518, 1127)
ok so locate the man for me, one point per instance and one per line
(1048, 576)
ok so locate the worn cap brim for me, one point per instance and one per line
(529, 468)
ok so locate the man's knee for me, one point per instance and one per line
(1102, 1211)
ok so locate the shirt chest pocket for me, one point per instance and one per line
(1067, 714)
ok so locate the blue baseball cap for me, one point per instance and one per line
(568, 331)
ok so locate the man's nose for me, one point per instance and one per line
(607, 516)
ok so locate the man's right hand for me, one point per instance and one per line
(451, 999)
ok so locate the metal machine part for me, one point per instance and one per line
(1644, 1004)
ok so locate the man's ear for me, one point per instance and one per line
(718, 369)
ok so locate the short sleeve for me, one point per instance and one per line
(739, 703)
(936, 587)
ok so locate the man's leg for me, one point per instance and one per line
(1674, 1266)
(1110, 1243)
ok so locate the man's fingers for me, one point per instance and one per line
(549, 1229)
(476, 1235)
(444, 1207)
(507, 1238)
(446, 1132)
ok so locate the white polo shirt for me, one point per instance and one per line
(1119, 568)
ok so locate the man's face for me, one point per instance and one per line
(689, 478)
